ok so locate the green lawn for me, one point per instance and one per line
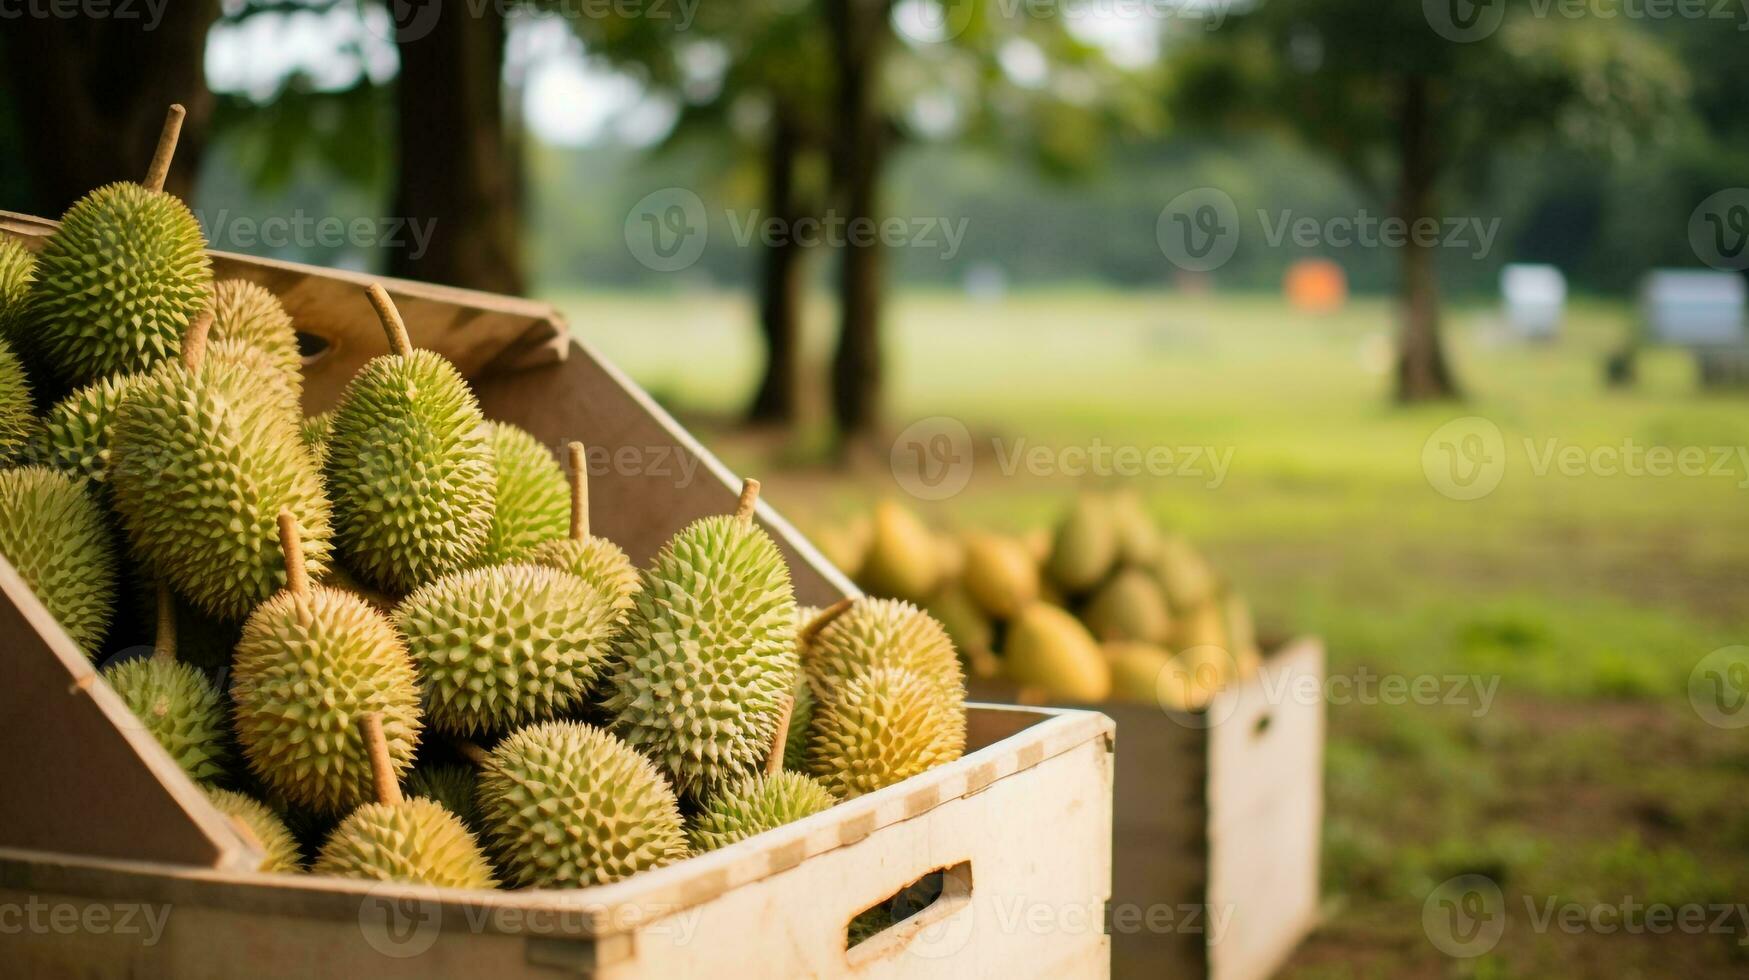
(1589, 596)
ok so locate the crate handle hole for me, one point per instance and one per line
(313, 347)
(1261, 727)
(888, 926)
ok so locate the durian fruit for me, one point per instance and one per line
(55, 537)
(1049, 650)
(1187, 685)
(882, 726)
(950, 557)
(315, 431)
(1136, 671)
(453, 787)
(399, 839)
(337, 577)
(17, 273)
(1130, 606)
(855, 637)
(846, 546)
(1241, 636)
(708, 656)
(754, 804)
(1205, 625)
(279, 847)
(505, 645)
(971, 631)
(312, 660)
(408, 465)
(76, 433)
(999, 575)
(1138, 537)
(903, 559)
(1188, 580)
(17, 412)
(248, 314)
(175, 701)
(201, 463)
(795, 746)
(597, 561)
(119, 283)
(1211, 667)
(567, 805)
(532, 503)
(1085, 546)
(285, 391)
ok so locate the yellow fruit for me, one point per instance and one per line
(846, 546)
(1242, 636)
(1183, 687)
(1129, 607)
(1050, 650)
(1183, 573)
(1138, 539)
(999, 575)
(970, 630)
(1136, 670)
(903, 561)
(1202, 626)
(1085, 547)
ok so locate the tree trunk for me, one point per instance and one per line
(860, 32)
(1422, 371)
(780, 288)
(90, 95)
(457, 162)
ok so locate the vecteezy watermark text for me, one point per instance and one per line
(150, 13)
(1466, 459)
(301, 230)
(412, 20)
(1466, 917)
(33, 916)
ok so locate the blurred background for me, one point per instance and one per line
(1425, 321)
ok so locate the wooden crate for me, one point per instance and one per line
(1217, 824)
(101, 832)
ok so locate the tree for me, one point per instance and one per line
(1406, 108)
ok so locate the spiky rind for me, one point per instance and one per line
(286, 391)
(504, 645)
(17, 412)
(795, 743)
(597, 561)
(754, 804)
(315, 432)
(17, 273)
(568, 805)
(410, 471)
(882, 633)
(54, 535)
(533, 500)
(280, 848)
(455, 788)
(118, 284)
(202, 464)
(77, 432)
(414, 841)
(883, 726)
(708, 654)
(249, 314)
(304, 673)
(177, 704)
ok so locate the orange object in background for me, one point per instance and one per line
(1316, 286)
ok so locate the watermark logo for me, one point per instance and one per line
(1718, 687)
(933, 458)
(406, 21)
(1464, 21)
(1199, 229)
(1465, 459)
(1718, 230)
(666, 230)
(933, 21)
(397, 926)
(1465, 916)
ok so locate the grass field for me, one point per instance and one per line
(1586, 593)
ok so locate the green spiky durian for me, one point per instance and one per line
(249, 314)
(315, 432)
(17, 412)
(795, 746)
(882, 726)
(399, 839)
(279, 847)
(77, 432)
(882, 633)
(409, 466)
(285, 391)
(174, 701)
(17, 273)
(121, 280)
(532, 501)
(754, 804)
(597, 561)
(453, 787)
(202, 463)
(567, 805)
(312, 660)
(55, 537)
(504, 645)
(708, 658)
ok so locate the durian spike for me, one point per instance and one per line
(774, 758)
(579, 492)
(165, 646)
(749, 500)
(394, 327)
(166, 151)
(815, 626)
(382, 771)
(194, 341)
(297, 576)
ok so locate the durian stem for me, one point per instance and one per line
(774, 758)
(297, 576)
(814, 626)
(166, 151)
(475, 755)
(394, 327)
(382, 771)
(579, 492)
(749, 500)
(165, 647)
(194, 341)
